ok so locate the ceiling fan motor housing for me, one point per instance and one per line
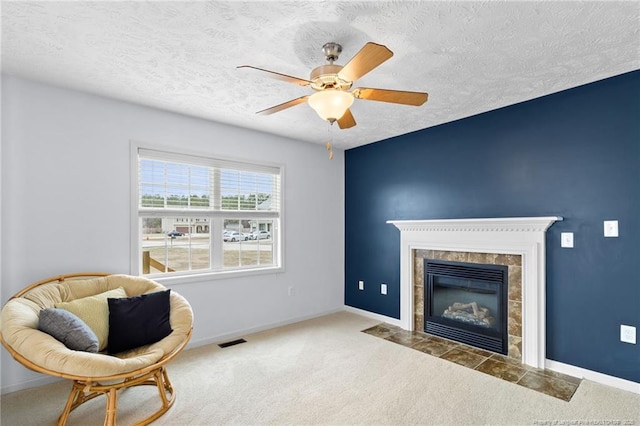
(326, 77)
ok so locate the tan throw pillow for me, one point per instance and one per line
(94, 311)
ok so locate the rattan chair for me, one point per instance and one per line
(93, 374)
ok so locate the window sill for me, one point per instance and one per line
(210, 276)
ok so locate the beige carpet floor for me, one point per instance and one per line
(325, 371)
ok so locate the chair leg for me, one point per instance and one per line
(164, 387)
(167, 382)
(167, 395)
(112, 404)
(74, 395)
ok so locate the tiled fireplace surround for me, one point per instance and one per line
(518, 243)
(514, 293)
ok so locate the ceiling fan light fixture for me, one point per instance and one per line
(331, 104)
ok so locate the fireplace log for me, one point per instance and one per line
(469, 313)
(465, 306)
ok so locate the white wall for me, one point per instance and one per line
(66, 207)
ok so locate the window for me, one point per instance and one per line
(198, 215)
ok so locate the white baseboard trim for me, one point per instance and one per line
(372, 315)
(594, 376)
(31, 383)
(246, 331)
(560, 367)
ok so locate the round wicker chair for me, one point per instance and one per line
(93, 374)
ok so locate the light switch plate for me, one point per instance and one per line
(610, 228)
(360, 285)
(628, 334)
(383, 288)
(566, 239)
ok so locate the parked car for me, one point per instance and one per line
(260, 235)
(235, 236)
(174, 234)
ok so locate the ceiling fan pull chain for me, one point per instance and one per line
(330, 143)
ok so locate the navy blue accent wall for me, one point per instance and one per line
(574, 154)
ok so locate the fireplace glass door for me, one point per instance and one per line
(466, 302)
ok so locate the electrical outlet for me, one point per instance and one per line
(628, 334)
(360, 285)
(383, 288)
(292, 291)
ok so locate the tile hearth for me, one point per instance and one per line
(548, 382)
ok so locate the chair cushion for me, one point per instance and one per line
(94, 311)
(138, 321)
(69, 329)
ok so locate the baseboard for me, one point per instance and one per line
(32, 383)
(594, 376)
(372, 315)
(246, 331)
(560, 367)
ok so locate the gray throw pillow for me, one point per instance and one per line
(68, 329)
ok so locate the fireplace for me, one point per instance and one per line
(467, 302)
(521, 236)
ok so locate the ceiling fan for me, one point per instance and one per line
(332, 82)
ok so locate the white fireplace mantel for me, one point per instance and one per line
(524, 236)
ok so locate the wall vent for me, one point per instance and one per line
(232, 343)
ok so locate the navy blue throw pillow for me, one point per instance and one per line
(139, 320)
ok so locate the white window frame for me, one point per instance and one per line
(216, 226)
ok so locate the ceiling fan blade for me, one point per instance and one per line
(369, 57)
(347, 120)
(285, 105)
(393, 96)
(277, 75)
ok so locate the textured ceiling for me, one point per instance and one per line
(470, 57)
